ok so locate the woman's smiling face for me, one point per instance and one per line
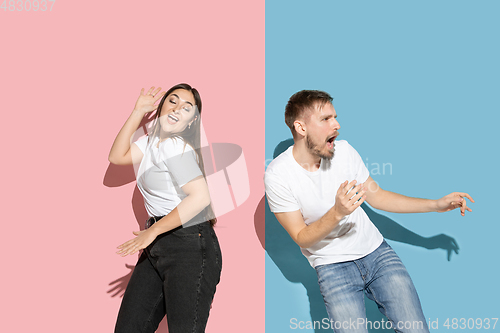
(178, 111)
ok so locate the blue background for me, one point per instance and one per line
(416, 85)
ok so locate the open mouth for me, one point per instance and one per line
(172, 119)
(330, 141)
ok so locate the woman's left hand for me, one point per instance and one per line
(143, 239)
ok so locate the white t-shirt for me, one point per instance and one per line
(290, 187)
(163, 171)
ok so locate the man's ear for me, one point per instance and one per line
(300, 127)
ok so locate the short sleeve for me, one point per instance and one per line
(142, 143)
(279, 195)
(360, 170)
(180, 160)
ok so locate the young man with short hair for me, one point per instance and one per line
(315, 189)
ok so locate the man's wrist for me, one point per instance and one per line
(434, 205)
(336, 216)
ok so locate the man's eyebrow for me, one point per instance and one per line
(182, 99)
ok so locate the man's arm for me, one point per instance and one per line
(398, 203)
(348, 198)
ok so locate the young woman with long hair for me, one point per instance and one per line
(177, 273)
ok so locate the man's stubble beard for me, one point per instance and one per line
(313, 148)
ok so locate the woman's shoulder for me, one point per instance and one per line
(175, 146)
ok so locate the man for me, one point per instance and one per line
(315, 189)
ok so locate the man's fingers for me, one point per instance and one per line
(358, 195)
(341, 187)
(466, 195)
(359, 202)
(356, 190)
(349, 187)
(463, 194)
(465, 208)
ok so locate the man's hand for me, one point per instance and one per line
(348, 198)
(452, 201)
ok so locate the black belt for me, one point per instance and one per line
(152, 220)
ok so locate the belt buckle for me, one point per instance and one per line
(150, 222)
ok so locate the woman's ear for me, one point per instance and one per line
(192, 121)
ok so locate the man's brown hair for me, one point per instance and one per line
(302, 102)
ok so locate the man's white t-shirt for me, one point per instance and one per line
(290, 187)
(164, 169)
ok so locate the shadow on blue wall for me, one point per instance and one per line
(295, 268)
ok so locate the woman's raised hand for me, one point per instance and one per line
(146, 101)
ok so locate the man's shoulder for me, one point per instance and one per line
(342, 144)
(344, 149)
(281, 162)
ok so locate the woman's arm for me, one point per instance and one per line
(122, 152)
(196, 200)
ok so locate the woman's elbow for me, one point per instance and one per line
(112, 159)
(205, 200)
(117, 160)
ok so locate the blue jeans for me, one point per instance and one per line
(175, 276)
(384, 279)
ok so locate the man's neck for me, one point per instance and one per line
(304, 158)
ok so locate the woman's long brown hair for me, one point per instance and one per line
(191, 135)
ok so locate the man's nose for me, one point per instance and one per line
(336, 125)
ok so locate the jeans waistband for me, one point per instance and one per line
(153, 219)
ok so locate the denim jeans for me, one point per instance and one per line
(175, 276)
(384, 279)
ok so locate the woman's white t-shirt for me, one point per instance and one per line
(164, 169)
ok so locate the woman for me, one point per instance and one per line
(180, 266)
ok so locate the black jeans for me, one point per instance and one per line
(176, 275)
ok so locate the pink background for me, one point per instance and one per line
(70, 78)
